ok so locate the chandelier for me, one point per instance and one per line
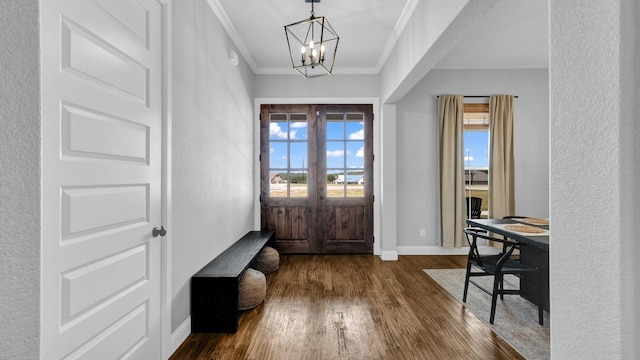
(312, 45)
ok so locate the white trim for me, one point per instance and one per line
(439, 250)
(233, 33)
(377, 229)
(387, 184)
(389, 256)
(336, 71)
(406, 14)
(180, 335)
(166, 214)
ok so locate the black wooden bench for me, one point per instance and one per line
(214, 289)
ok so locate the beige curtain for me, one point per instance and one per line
(501, 164)
(452, 201)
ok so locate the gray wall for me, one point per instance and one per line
(212, 154)
(20, 180)
(334, 86)
(417, 144)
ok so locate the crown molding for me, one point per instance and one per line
(336, 71)
(246, 54)
(233, 33)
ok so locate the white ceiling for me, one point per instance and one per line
(514, 34)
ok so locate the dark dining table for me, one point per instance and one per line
(534, 251)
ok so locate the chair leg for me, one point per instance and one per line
(540, 311)
(466, 283)
(494, 296)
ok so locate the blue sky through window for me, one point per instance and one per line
(345, 145)
(476, 149)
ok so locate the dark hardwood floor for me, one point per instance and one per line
(354, 307)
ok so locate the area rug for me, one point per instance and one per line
(516, 318)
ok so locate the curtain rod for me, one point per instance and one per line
(479, 96)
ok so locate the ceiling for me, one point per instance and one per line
(512, 35)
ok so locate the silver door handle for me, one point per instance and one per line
(159, 231)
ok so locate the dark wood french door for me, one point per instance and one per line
(316, 181)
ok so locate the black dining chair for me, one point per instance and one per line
(496, 266)
(474, 205)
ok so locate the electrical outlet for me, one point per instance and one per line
(423, 233)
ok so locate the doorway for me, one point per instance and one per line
(316, 184)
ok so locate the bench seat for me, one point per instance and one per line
(214, 289)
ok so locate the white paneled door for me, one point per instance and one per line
(101, 141)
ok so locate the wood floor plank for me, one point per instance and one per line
(354, 307)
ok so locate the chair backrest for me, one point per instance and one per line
(472, 239)
(473, 234)
(474, 204)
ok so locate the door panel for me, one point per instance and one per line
(101, 140)
(288, 176)
(345, 206)
(324, 202)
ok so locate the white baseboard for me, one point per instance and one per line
(180, 335)
(439, 250)
(389, 255)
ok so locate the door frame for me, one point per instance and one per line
(168, 342)
(375, 102)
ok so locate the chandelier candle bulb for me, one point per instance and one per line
(303, 50)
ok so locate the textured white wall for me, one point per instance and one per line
(594, 179)
(417, 152)
(212, 150)
(19, 180)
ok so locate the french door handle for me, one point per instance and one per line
(161, 231)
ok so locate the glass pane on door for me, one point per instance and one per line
(345, 155)
(288, 155)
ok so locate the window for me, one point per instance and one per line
(288, 148)
(345, 155)
(476, 156)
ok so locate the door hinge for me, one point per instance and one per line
(260, 199)
(260, 116)
(373, 198)
(260, 157)
(373, 239)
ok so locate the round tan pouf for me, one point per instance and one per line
(267, 261)
(251, 289)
